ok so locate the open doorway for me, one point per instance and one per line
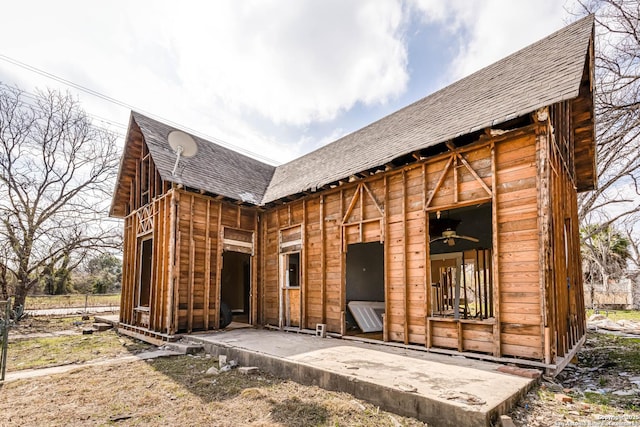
(235, 288)
(146, 255)
(365, 290)
(290, 278)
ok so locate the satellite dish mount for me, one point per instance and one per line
(183, 145)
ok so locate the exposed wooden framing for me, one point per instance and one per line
(207, 267)
(330, 219)
(543, 214)
(497, 350)
(172, 256)
(343, 260)
(176, 294)
(192, 272)
(455, 179)
(220, 233)
(323, 266)
(280, 284)
(405, 266)
(263, 285)
(427, 260)
(253, 296)
(303, 267)
(440, 181)
(387, 267)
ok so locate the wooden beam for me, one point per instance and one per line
(497, 350)
(440, 181)
(405, 267)
(192, 259)
(207, 267)
(352, 205)
(387, 269)
(375, 202)
(253, 295)
(219, 260)
(303, 260)
(323, 272)
(427, 258)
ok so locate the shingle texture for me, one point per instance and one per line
(539, 75)
(544, 73)
(214, 168)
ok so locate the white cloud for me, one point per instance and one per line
(488, 30)
(292, 63)
(213, 65)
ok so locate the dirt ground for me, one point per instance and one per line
(602, 388)
(176, 391)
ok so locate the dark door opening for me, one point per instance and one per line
(235, 287)
(146, 254)
(365, 290)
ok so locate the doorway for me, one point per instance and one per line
(146, 258)
(235, 288)
(365, 296)
(290, 298)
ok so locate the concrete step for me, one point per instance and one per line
(99, 326)
(184, 347)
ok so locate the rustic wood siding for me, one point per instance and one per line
(518, 240)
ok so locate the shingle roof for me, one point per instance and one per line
(214, 168)
(544, 73)
(539, 75)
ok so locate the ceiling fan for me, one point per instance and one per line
(449, 236)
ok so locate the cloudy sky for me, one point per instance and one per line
(272, 77)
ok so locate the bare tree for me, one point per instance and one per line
(617, 109)
(56, 177)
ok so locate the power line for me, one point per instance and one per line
(131, 107)
(33, 104)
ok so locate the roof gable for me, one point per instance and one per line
(554, 69)
(539, 75)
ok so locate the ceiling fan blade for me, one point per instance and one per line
(438, 238)
(451, 241)
(471, 239)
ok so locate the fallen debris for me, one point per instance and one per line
(563, 398)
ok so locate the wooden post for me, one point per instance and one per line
(253, 295)
(219, 260)
(192, 257)
(497, 351)
(405, 275)
(303, 261)
(172, 307)
(343, 278)
(207, 267)
(323, 273)
(387, 283)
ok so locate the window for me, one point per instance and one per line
(462, 285)
(291, 263)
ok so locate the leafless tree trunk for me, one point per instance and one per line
(617, 98)
(56, 177)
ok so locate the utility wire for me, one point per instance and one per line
(131, 107)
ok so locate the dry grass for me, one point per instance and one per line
(175, 391)
(34, 325)
(42, 302)
(64, 350)
(616, 315)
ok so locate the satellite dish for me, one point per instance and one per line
(183, 145)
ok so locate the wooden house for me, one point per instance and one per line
(451, 223)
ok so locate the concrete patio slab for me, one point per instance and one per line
(440, 390)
